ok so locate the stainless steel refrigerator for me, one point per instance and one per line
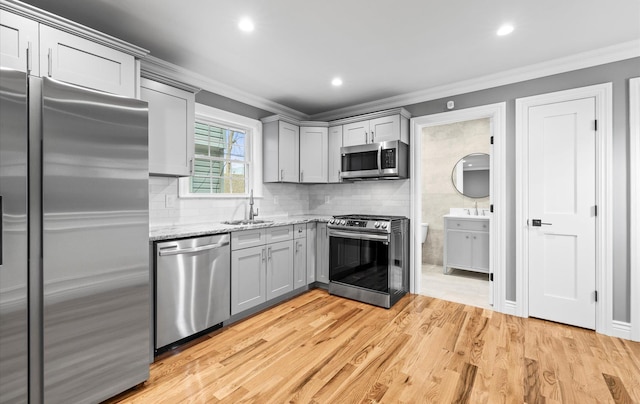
(74, 264)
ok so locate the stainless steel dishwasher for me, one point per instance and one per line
(193, 287)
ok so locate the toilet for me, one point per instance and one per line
(425, 229)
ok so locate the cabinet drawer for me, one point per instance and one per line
(462, 224)
(300, 231)
(280, 233)
(248, 238)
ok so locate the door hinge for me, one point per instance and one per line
(595, 293)
(491, 139)
(491, 277)
(491, 208)
(595, 210)
(595, 124)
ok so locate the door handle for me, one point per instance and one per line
(538, 223)
(1, 229)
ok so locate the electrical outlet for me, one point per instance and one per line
(327, 199)
(276, 200)
(170, 201)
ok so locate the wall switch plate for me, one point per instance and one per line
(327, 199)
(170, 201)
(276, 200)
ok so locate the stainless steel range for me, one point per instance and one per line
(369, 258)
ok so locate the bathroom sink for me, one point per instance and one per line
(246, 221)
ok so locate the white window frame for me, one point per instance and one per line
(253, 131)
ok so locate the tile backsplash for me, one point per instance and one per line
(369, 197)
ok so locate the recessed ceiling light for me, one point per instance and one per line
(246, 25)
(336, 82)
(506, 29)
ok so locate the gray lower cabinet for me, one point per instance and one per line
(322, 254)
(248, 278)
(279, 268)
(262, 266)
(311, 252)
(466, 244)
(299, 255)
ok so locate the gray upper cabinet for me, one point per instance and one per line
(19, 43)
(281, 152)
(381, 129)
(314, 144)
(171, 128)
(89, 59)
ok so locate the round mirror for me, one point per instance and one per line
(470, 175)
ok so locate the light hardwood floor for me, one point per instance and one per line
(318, 348)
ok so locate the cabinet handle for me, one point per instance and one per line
(29, 57)
(50, 62)
(372, 136)
(281, 174)
(466, 236)
(192, 166)
(301, 176)
(269, 252)
(264, 257)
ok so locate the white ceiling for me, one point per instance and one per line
(380, 48)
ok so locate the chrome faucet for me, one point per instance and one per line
(252, 214)
(476, 207)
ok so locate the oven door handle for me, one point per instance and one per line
(358, 236)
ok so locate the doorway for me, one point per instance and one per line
(495, 113)
(456, 159)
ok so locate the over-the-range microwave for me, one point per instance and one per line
(383, 160)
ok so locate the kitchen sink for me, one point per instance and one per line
(246, 221)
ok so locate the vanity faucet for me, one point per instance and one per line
(476, 207)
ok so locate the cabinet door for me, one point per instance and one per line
(458, 249)
(385, 128)
(171, 128)
(289, 152)
(314, 144)
(322, 251)
(19, 43)
(279, 268)
(311, 252)
(480, 247)
(76, 60)
(355, 133)
(334, 156)
(299, 263)
(248, 286)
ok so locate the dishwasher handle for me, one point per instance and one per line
(170, 250)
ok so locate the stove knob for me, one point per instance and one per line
(343, 222)
(376, 225)
(332, 221)
(384, 225)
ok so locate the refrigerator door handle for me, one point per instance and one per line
(1, 228)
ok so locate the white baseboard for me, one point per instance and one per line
(621, 329)
(510, 307)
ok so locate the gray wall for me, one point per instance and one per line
(619, 74)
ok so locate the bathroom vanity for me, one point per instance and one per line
(466, 243)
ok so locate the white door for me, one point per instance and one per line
(562, 198)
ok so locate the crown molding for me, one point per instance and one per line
(57, 22)
(182, 75)
(614, 53)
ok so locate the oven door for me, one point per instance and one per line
(359, 259)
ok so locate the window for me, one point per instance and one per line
(222, 162)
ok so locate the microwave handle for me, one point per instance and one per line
(380, 159)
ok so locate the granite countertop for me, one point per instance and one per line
(158, 233)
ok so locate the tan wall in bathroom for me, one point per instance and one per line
(442, 147)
